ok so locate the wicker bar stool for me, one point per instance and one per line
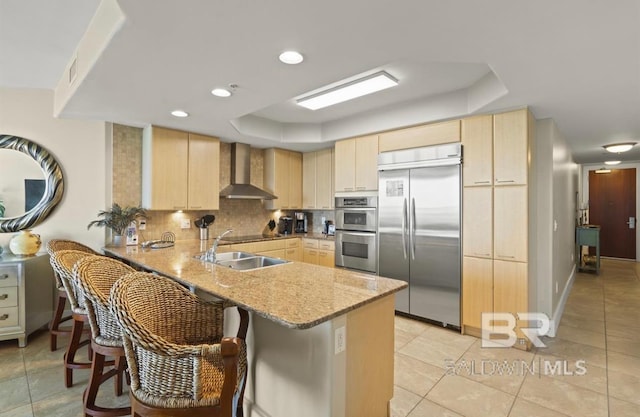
(96, 275)
(53, 246)
(180, 365)
(62, 262)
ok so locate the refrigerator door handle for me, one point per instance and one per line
(413, 228)
(404, 228)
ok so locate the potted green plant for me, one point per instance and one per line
(118, 219)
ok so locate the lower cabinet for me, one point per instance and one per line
(477, 290)
(319, 252)
(26, 296)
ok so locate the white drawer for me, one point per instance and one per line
(9, 276)
(8, 296)
(8, 317)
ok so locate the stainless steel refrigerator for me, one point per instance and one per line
(419, 229)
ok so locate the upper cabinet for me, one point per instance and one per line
(477, 143)
(511, 133)
(356, 164)
(317, 179)
(180, 170)
(283, 177)
(419, 136)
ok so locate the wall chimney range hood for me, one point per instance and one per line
(240, 186)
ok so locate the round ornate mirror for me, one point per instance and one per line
(30, 195)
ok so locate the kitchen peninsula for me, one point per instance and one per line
(320, 340)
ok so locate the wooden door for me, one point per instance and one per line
(477, 142)
(477, 222)
(612, 202)
(309, 179)
(510, 223)
(344, 168)
(477, 290)
(324, 179)
(204, 172)
(295, 180)
(510, 147)
(366, 176)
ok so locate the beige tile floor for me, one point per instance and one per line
(601, 326)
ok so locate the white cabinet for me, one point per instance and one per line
(26, 296)
(180, 170)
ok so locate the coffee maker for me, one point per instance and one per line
(300, 222)
(285, 226)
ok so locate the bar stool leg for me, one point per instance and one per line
(98, 376)
(74, 344)
(54, 325)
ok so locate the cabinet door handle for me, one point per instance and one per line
(4, 296)
(4, 317)
(506, 256)
(482, 182)
(361, 188)
(504, 181)
(348, 188)
(325, 207)
(196, 207)
(483, 254)
(4, 276)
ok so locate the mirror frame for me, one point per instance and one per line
(54, 184)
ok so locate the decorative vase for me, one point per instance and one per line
(25, 243)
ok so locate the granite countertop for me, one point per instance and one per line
(295, 295)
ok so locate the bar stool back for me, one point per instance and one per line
(180, 364)
(62, 262)
(95, 275)
(53, 246)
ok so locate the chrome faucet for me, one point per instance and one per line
(210, 256)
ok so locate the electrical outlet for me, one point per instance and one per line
(186, 224)
(324, 220)
(142, 224)
(557, 288)
(341, 339)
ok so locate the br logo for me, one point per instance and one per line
(498, 329)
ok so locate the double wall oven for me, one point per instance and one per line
(356, 219)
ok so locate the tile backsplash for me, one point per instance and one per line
(245, 217)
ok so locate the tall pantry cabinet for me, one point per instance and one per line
(496, 222)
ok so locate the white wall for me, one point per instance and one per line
(80, 149)
(557, 179)
(584, 197)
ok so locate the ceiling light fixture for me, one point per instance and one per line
(603, 170)
(619, 147)
(611, 162)
(354, 89)
(221, 92)
(291, 57)
(179, 113)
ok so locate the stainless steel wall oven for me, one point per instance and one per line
(356, 243)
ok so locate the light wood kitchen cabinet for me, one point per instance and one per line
(276, 253)
(293, 250)
(419, 136)
(510, 223)
(283, 177)
(477, 222)
(477, 142)
(496, 217)
(180, 170)
(356, 164)
(310, 256)
(319, 252)
(477, 290)
(317, 179)
(511, 132)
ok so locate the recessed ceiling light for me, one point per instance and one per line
(619, 147)
(354, 89)
(611, 162)
(221, 92)
(179, 113)
(291, 57)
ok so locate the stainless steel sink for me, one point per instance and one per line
(245, 264)
(230, 256)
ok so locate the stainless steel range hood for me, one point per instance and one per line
(240, 186)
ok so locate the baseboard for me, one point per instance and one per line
(557, 313)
